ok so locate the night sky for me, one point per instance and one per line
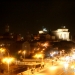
(31, 16)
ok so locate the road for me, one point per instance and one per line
(57, 68)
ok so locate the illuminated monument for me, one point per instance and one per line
(62, 33)
(43, 31)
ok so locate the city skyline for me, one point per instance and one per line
(31, 16)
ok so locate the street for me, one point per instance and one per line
(51, 67)
(57, 68)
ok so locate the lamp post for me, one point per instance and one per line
(24, 52)
(8, 61)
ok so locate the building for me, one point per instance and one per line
(43, 31)
(62, 33)
(10, 40)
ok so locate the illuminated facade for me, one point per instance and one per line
(62, 33)
(43, 31)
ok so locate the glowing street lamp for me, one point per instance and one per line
(8, 60)
(39, 56)
(19, 51)
(2, 51)
(24, 52)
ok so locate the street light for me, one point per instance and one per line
(8, 60)
(19, 51)
(24, 52)
(39, 55)
(2, 50)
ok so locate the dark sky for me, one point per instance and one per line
(31, 16)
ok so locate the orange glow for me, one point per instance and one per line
(24, 52)
(46, 44)
(2, 50)
(72, 66)
(53, 68)
(8, 60)
(38, 56)
(19, 51)
(43, 49)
